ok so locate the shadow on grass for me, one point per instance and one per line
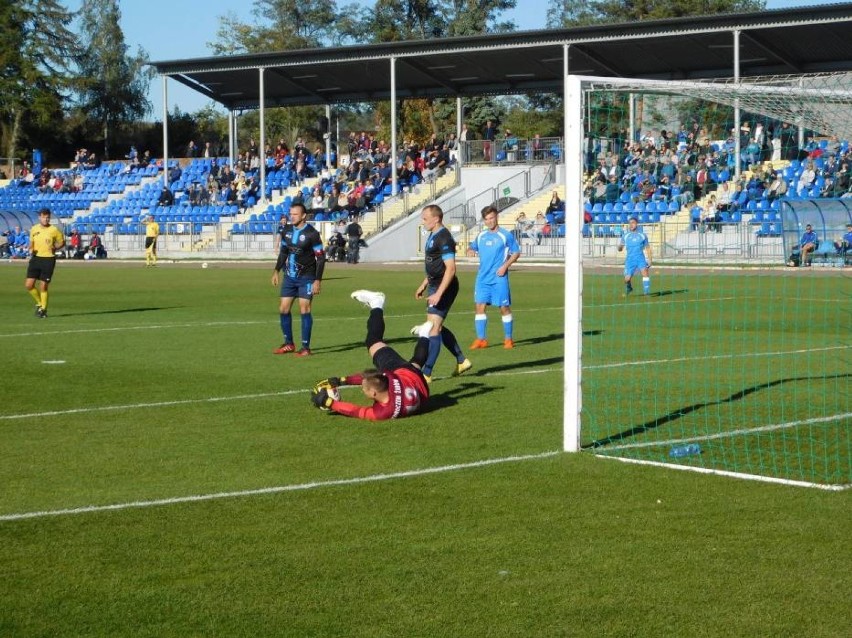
(674, 415)
(450, 397)
(116, 312)
(520, 365)
(666, 293)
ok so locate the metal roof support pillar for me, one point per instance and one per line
(632, 107)
(572, 156)
(262, 148)
(166, 131)
(232, 135)
(458, 131)
(737, 146)
(328, 137)
(394, 183)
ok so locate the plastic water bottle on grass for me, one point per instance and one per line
(680, 451)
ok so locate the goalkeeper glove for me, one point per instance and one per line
(321, 399)
(331, 382)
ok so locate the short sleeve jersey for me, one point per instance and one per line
(493, 247)
(44, 240)
(299, 248)
(152, 229)
(848, 238)
(440, 246)
(634, 242)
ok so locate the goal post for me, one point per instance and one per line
(733, 363)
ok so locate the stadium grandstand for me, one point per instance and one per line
(675, 195)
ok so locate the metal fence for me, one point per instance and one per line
(511, 151)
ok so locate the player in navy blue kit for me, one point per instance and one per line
(844, 244)
(441, 287)
(498, 250)
(302, 258)
(638, 256)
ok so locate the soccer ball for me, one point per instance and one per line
(334, 393)
(204, 265)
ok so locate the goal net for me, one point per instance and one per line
(726, 359)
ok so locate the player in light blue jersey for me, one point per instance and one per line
(497, 249)
(638, 256)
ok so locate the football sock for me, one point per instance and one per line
(508, 323)
(376, 327)
(480, 322)
(287, 327)
(147, 256)
(421, 351)
(35, 294)
(646, 285)
(43, 302)
(307, 327)
(451, 343)
(432, 355)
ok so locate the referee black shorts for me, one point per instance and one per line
(150, 241)
(41, 268)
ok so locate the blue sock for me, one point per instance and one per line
(307, 326)
(646, 285)
(480, 322)
(287, 327)
(432, 357)
(508, 324)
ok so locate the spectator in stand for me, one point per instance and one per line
(841, 182)
(489, 134)
(789, 143)
(612, 191)
(175, 173)
(556, 204)
(711, 219)
(191, 149)
(166, 198)
(806, 179)
(208, 150)
(723, 198)
(777, 188)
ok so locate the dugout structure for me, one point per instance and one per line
(749, 369)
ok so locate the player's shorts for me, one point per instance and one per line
(632, 265)
(301, 287)
(41, 268)
(150, 241)
(442, 308)
(494, 294)
(389, 360)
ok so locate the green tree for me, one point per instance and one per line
(570, 13)
(36, 52)
(114, 84)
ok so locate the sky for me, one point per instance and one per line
(177, 29)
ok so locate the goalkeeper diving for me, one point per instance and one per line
(397, 387)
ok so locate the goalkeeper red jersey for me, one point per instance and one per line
(407, 394)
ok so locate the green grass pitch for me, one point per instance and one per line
(169, 389)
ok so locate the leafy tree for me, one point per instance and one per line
(114, 84)
(569, 13)
(36, 49)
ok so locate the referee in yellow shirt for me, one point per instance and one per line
(152, 231)
(45, 240)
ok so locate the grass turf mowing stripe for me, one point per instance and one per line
(282, 488)
(264, 395)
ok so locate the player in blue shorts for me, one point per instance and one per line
(497, 249)
(638, 256)
(302, 258)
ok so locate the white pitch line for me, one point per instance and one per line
(279, 489)
(730, 433)
(153, 404)
(740, 475)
